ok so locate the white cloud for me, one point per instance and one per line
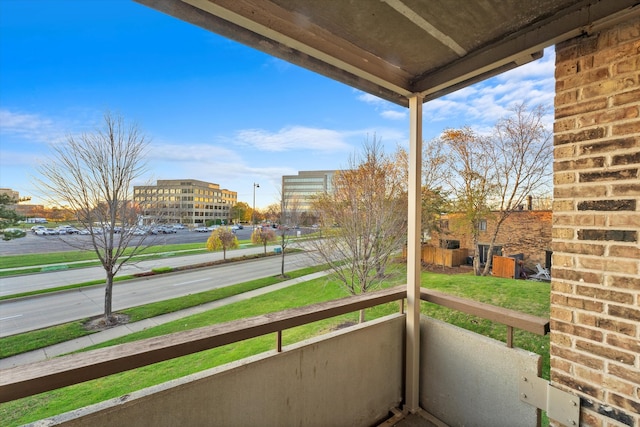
(394, 114)
(294, 138)
(370, 99)
(191, 153)
(31, 127)
(481, 105)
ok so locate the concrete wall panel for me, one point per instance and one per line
(470, 380)
(348, 377)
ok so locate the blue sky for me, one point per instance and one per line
(215, 110)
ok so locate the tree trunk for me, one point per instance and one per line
(487, 265)
(282, 247)
(108, 298)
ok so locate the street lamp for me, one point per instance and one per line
(253, 212)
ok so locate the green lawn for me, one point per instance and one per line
(530, 297)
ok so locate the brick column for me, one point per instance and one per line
(595, 292)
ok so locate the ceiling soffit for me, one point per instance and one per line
(396, 49)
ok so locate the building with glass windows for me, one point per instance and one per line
(298, 191)
(186, 201)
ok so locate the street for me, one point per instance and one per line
(26, 314)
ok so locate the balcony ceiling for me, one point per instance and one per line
(395, 49)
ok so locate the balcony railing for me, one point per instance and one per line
(28, 380)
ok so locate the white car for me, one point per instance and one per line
(46, 232)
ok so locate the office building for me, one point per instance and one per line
(298, 192)
(186, 201)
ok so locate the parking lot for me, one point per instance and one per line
(32, 244)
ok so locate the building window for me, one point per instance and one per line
(482, 225)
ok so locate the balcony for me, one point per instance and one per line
(354, 376)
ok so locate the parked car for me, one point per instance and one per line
(139, 232)
(67, 229)
(165, 230)
(86, 231)
(46, 232)
(37, 227)
(179, 226)
(201, 229)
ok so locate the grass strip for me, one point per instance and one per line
(26, 260)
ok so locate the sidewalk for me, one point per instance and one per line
(119, 331)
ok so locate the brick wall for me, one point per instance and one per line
(595, 299)
(526, 232)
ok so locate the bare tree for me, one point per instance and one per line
(362, 220)
(222, 238)
(471, 180)
(491, 177)
(93, 175)
(521, 151)
(288, 217)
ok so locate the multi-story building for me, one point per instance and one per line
(298, 191)
(186, 201)
(20, 207)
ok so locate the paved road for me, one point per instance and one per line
(53, 279)
(22, 315)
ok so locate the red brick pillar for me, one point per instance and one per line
(595, 297)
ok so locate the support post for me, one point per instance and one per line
(414, 231)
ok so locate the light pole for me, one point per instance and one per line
(253, 212)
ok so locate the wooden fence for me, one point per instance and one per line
(439, 256)
(504, 267)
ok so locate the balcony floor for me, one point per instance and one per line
(419, 419)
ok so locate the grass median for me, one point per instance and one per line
(529, 297)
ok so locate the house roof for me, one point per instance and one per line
(396, 49)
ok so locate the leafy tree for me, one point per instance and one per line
(434, 197)
(93, 174)
(263, 235)
(273, 213)
(240, 212)
(222, 238)
(363, 220)
(8, 216)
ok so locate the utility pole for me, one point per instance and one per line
(253, 212)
